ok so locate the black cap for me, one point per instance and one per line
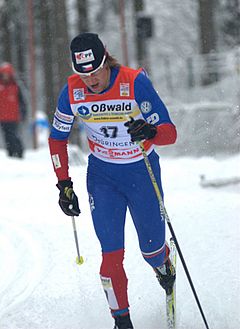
(88, 52)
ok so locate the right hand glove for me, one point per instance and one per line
(140, 129)
(68, 200)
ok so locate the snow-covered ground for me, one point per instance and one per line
(41, 287)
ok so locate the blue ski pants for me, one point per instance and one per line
(114, 187)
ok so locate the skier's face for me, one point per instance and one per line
(99, 80)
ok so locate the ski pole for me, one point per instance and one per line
(164, 214)
(79, 259)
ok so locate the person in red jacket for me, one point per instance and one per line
(12, 110)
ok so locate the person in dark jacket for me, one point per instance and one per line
(12, 110)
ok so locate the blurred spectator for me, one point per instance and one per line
(12, 110)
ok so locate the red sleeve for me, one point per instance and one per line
(166, 134)
(59, 155)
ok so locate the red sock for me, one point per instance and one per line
(114, 281)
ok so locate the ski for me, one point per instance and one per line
(171, 299)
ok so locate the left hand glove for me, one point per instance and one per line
(68, 200)
(140, 129)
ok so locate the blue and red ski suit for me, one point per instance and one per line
(117, 177)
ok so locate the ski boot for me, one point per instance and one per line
(166, 276)
(123, 322)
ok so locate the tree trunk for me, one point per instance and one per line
(62, 53)
(83, 21)
(5, 33)
(47, 59)
(140, 42)
(207, 36)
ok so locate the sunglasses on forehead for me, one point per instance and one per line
(88, 74)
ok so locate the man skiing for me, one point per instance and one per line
(119, 108)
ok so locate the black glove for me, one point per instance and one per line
(140, 129)
(68, 200)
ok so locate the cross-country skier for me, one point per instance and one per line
(119, 107)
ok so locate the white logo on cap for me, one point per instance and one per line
(84, 56)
